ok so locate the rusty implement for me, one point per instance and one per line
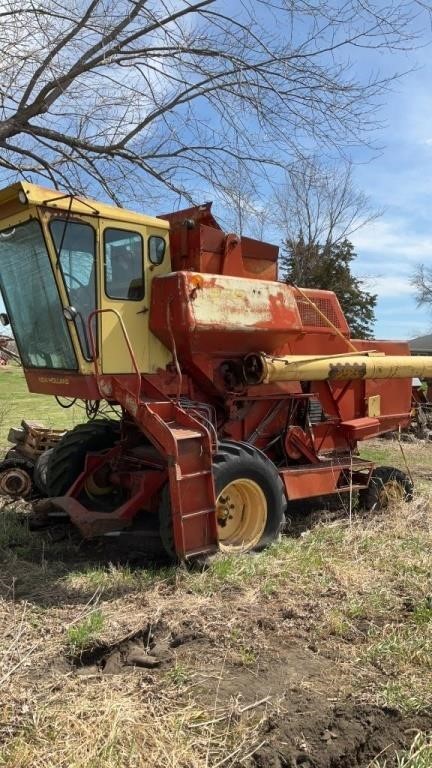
(33, 438)
(17, 470)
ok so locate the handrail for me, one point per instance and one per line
(127, 340)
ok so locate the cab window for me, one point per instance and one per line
(156, 249)
(75, 246)
(123, 265)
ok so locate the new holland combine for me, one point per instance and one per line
(238, 394)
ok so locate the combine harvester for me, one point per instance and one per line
(238, 393)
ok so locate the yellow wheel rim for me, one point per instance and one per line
(241, 514)
(391, 492)
(93, 489)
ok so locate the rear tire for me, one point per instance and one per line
(67, 458)
(40, 471)
(387, 485)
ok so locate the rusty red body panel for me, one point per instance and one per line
(199, 244)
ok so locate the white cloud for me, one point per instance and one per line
(393, 239)
(389, 286)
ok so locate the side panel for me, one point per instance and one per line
(220, 315)
(242, 304)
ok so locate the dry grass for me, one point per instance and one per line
(418, 756)
(52, 717)
(108, 723)
(360, 594)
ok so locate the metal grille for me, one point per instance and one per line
(309, 315)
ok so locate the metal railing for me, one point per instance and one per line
(91, 335)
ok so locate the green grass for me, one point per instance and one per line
(114, 579)
(83, 634)
(418, 756)
(400, 695)
(17, 403)
(386, 452)
(389, 453)
(423, 611)
(179, 675)
(400, 645)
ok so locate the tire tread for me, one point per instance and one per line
(65, 461)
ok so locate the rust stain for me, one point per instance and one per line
(347, 371)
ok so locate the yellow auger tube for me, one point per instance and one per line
(260, 368)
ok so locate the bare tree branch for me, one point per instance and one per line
(116, 96)
(422, 284)
(321, 203)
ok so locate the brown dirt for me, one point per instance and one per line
(310, 730)
(314, 734)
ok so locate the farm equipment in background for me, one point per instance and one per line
(7, 350)
(421, 422)
(239, 394)
(20, 470)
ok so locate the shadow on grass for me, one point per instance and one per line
(55, 565)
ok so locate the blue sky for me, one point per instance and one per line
(399, 180)
(397, 177)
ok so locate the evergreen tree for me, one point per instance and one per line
(311, 265)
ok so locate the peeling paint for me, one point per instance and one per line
(240, 303)
(105, 387)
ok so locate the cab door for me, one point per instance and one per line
(131, 255)
(124, 293)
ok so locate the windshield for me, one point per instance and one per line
(32, 301)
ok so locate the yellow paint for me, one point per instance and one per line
(150, 353)
(344, 367)
(60, 201)
(84, 366)
(373, 404)
(114, 357)
(241, 515)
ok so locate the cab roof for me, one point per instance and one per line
(58, 200)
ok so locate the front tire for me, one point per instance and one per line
(250, 501)
(67, 458)
(250, 498)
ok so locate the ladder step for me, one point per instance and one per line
(207, 550)
(195, 474)
(182, 433)
(200, 513)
